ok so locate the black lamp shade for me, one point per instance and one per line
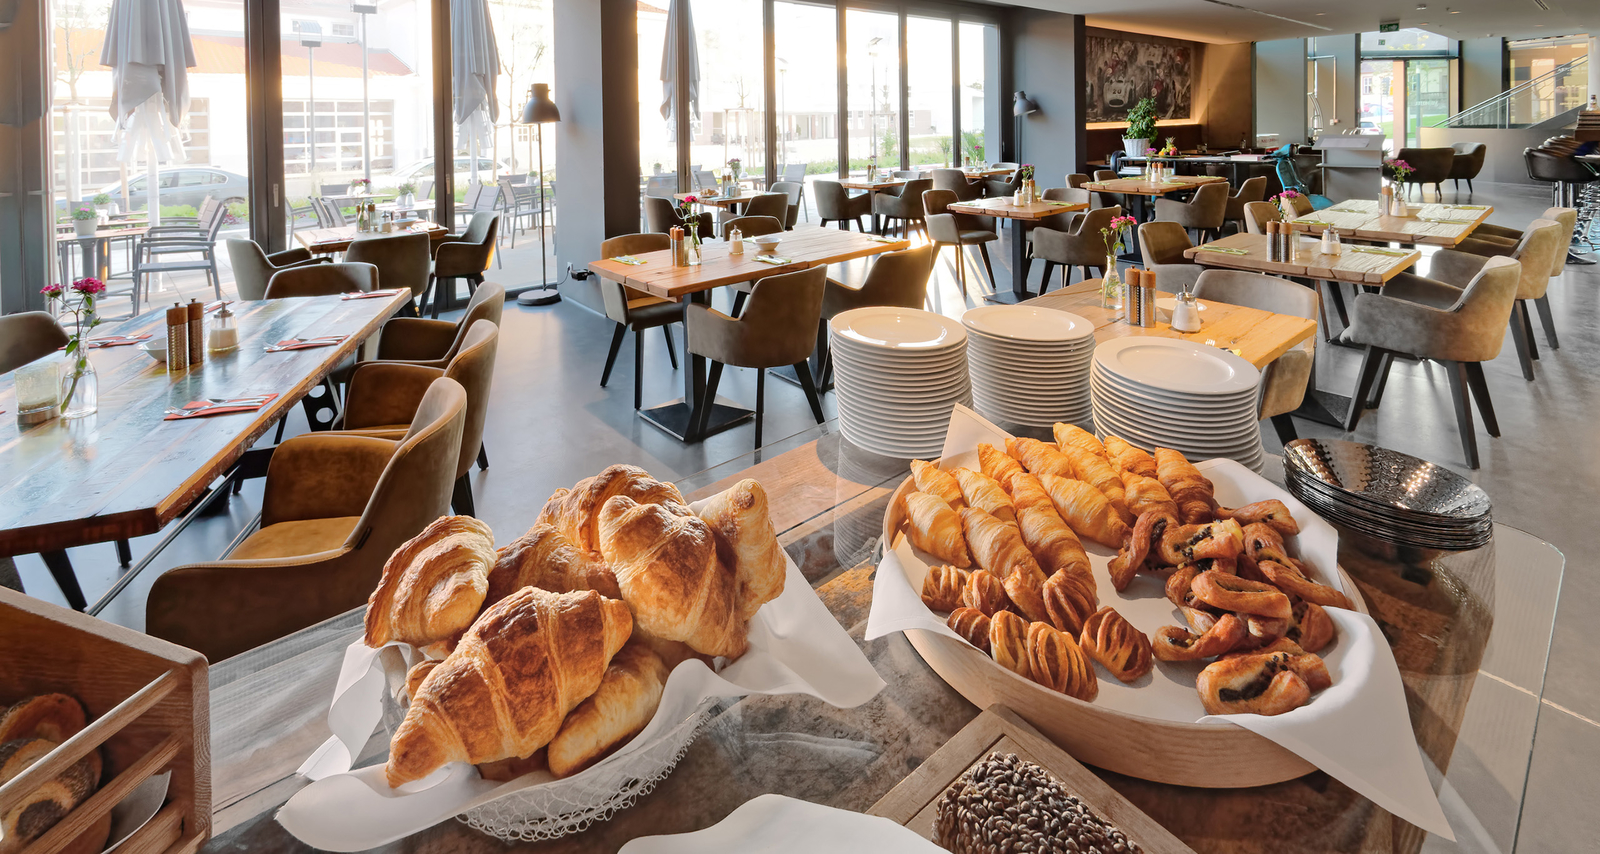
(1021, 105)
(540, 109)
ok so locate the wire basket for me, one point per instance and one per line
(555, 809)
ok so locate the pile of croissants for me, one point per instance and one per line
(553, 651)
(1017, 582)
(29, 729)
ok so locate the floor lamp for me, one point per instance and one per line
(1021, 105)
(537, 112)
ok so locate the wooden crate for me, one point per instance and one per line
(149, 711)
(914, 801)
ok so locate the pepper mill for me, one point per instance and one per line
(1147, 298)
(197, 331)
(177, 338)
(1272, 242)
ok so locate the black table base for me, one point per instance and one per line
(673, 417)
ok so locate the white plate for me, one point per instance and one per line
(1025, 398)
(892, 327)
(896, 360)
(1159, 413)
(994, 342)
(903, 382)
(888, 448)
(1027, 323)
(1177, 365)
(889, 421)
(1232, 449)
(1035, 363)
(1129, 389)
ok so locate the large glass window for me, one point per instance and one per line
(808, 94)
(978, 96)
(1375, 100)
(658, 135)
(1533, 61)
(929, 64)
(872, 63)
(733, 118)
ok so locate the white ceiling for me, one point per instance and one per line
(1263, 20)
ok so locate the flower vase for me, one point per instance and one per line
(1111, 286)
(692, 239)
(80, 388)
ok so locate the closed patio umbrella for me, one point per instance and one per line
(669, 63)
(474, 69)
(148, 49)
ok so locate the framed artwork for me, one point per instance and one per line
(1121, 72)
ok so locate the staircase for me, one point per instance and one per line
(1550, 101)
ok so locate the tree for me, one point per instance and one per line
(79, 21)
(520, 35)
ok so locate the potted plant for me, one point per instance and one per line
(84, 220)
(1141, 128)
(102, 204)
(359, 186)
(1285, 203)
(1397, 170)
(408, 193)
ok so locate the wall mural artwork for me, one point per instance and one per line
(1122, 71)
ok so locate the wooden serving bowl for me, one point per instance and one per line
(1174, 752)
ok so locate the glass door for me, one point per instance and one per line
(929, 67)
(730, 130)
(1427, 96)
(872, 68)
(808, 95)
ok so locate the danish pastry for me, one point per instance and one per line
(1175, 643)
(1147, 534)
(1008, 642)
(985, 593)
(942, 588)
(971, 624)
(1232, 593)
(1291, 581)
(1310, 626)
(1056, 662)
(1120, 648)
(1179, 584)
(1069, 599)
(1272, 512)
(1261, 684)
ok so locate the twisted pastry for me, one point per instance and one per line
(1126, 457)
(1008, 642)
(1069, 599)
(1207, 541)
(985, 593)
(1252, 684)
(942, 588)
(1271, 512)
(971, 624)
(1310, 626)
(1188, 487)
(1232, 593)
(1179, 584)
(1175, 643)
(1200, 620)
(1147, 532)
(1291, 581)
(1119, 647)
(1263, 630)
(1056, 662)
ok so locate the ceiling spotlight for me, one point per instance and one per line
(1421, 6)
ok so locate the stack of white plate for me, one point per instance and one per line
(1029, 365)
(897, 373)
(1172, 393)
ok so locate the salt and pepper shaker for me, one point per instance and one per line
(1286, 243)
(679, 257)
(177, 338)
(1147, 298)
(224, 333)
(197, 331)
(1186, 314)
(735, 242)
(1330, 241)
(1273, 246)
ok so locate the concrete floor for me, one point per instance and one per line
(552, 424)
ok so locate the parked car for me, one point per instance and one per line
(424, 169)
(180, 185)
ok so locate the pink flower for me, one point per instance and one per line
(51, 290)
(689, 200)
(89, 286)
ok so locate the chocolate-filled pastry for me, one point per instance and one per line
(1175, 643)
(1290, 580)
(1310, 626)
(1263, 684)
(1222, 540)
(1120, 648)
(1057, 663)
(1200, 619)
(1069, 599)
(971, 624)
(1232, 593)
(1008, 642)
(1136, 553)
(985, 593)
(1271, 512)
(942, 588)
(1179, 585)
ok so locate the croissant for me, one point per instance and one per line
(416, 674)
(1120, 648)
(670, 575)
(510, 769)
(937, 482)
(936, 529)
(1044, 532)
(1099, 474)
(1056, 662)
(1071, 434)
(1126, 457)
(1086, 510)
(1145, 494)
(1252, 684)
(44, 807)
(971, 624)
(982, 492)
(998, 464)
(1039, 458)
(1240, 595)
(577, 513)
(510, 682)
(1008, 642)
(1069, 599)
(433, 585)
(1187, 486)
(626, 700)
(943, 587)
(985, 593)
(998, 548)
(544, 557)
(53, 717)
(747, 542)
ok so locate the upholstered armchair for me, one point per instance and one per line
(252, 268)
(1203, 213)
(637, 311)
(466, 257)
(1161, 246)
(1467, 162)
(402, 261)
(1258, 214)
(1284, 381)
(1252, 190)
(956, 182)
(1430, 166)
(321, 280)
(958, 230)
(1081, 245)
(905, 206)
(835, 204)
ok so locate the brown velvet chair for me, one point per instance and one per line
(903, 207)
(958, 230)
(321, 280)
(1076, 180)
(253, 267)
(835, 204)
(1284, 381)
(1252, 190)
(466, 257)
(402, 261)
(1203, 213)
(1161, 246)
(1258, 214)
(1429, 166)
(1467, 162)
(660, 215)
(777, 329)
(636, 310)
(956, 182)
(1080, 246)
(334, 508)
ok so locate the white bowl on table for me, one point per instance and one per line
(767, 243)
(155, 348)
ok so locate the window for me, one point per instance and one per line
(872, 67)
(190, 178)
(929, 46)
(344, 29)
(658, 130)
(808, 95)
(980, 107)
(733, 115)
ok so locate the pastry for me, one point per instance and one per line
(1143, 543)
(1008, 642)
(1126, 457)
(626, 700)
(985, 593)
(1002, 803)
(937, 482)
(746, 541)
(52, 717)
(1252, 684)
(1272, 513)
(1187, 486)
(416, 674)
(1086, 510)
(1260, 631)
(1241, 595)
(936, 529)
(1056, 662)
(942, 588)
(1039, 458)
(1069, 599)
(998, 548)
(1044, 532)
(984, 493)
(41, 809)
(1181, 544)
(577, 512)
(545, 558)
(1175, 643)
(671, 577)
(1292, 581)
(510, 682)
(999, 465)
(1200, 619)
(1179, 585)
(1121, 649)
(1072, 434)
(1145, 494)
(1310, 626)
(1099, 474)
(433, 586)
(506, 770)
(971, 624)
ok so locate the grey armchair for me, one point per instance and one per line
(27, 336)
(466, 257)
(661, 214)
(750, 226)
(1430, 166)
(402, 261)
(1252, 190)
(956, 182)
(1467, 162)
(1285, 379)
(775, 205)
(1076, 180)
(895, 278)
(835, 204)
(1002, 186)
(1459, 328)
(253, 267)
(793, 191)
(1161, 246)
(1203, 214)
(321, 280)
(1107, 199)
(1081, 246)
(958, 230)
(795, 173)
(636, 310)
(1258, 214)
(904, 207)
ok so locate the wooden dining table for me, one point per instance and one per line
(1019, 217)
(800, 249)
(327, 241)
(96, 248)
(1139, 191)
(1431, 224)
(124, 471)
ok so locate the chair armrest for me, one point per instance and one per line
(1486, 248)
(1396, 324)
(415, 339)
(290, 256)
(315, 476)
(711, 333)
(383, 393)
(460, 259)
(1455, 268)
(1416, 289)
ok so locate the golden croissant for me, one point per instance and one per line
(577, 512)
(670, 575)
(935, 481)
(747, 541)
(998, 548)
(1039, 458)
(1126, 457)
(1099, 474)
(1146, 493)
(1044, 532)
(1086, 510)
(1072, 434)
(626, 700)
(984, 493)
(433, 586)
(510, 682)
(999, 465)
(936, 529)
(1189, 488)
(544, 557)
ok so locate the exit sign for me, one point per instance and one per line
(1389, 27)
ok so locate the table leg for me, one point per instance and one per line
(61, 569)
(86, 249)
(102, 251)
(679, 417)
(1019, 259)
(1337, 410)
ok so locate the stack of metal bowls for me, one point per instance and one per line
(1386, 494)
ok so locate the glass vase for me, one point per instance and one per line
(1111, 286)
(692, 238)
(38, 390)
(80, 389)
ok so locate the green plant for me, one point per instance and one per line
(1142, 120)
(83, 212)
(84, 318)
(179, 210)
(102, 198)
(972, 146)
(891, 146)
(238, 213)
(411, 187)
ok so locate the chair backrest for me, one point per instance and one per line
(1103, 175)
(1258, 214)
(1568, 217)
(792, 190)
(1537, 250)
(659, 214)
(1096, 219)
(425, 188)
(613, 294)
(251, 269)
(912, 192)
(661, 186)
(705, 179)
(780, 320)
(472, 253)
(832, 199)
(1210, 201)
(481, 229)
(896, 278)
(752, 226)
(1070, 195)
(935, 201)
(27, 336)
(334, 214)
(1431, 165)
(1255, 290)
(1077, 179)
(907, 174)
(320, 280)
(334, 189)
(473, 367)
(1483, 308)
(795, 172)
(775, 205)
(1163, 243)
(1301, 204)
(1252, 190)
(1003, 164)
(402, 259)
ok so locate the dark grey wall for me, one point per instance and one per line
(1280, 80)
(1483, 70)
(1048, 56)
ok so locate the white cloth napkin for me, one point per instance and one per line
(1358, 731)
(774, 824)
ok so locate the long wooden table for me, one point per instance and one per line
(1140, 192)
(124, 472)
(1357, 265)
(1433, 224)
(326, 241)
(800, 249)
(1019, 216)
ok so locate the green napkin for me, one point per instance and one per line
(629, 260)
(1373, 250)
(773, 260)
(876, 239)
(1227, 249)
(1440, 220)
(1304, 221)
(1466, 207)
(1058, 204)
